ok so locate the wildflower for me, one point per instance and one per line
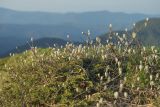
(152, 48)
(107, 41)
(151, 83)
(31, 39)
(82, 33)
(140, 67)
(69, 58)
(138, 78)
(132, 85)
(116, 95)
(146, 68)
(124, 36)
(106, 74)
(126, 29)
(89, 97)
(117, 34)
(77, 89)
(68, 36)
(103, 57)
(134, 51)
(144, 49)
(157, 75)
(91, 42)
(98, 104)
(147, 19)
(151, 77)
(155, 56)
(145, 24)
(120, 71)
(125, 79)
(121, 87)
(98, 39)
(116, 59)
(86, 88)
(101, 100)
(126, 43)
(109, 79)
(156, 51)
(121, 39)
(89, 33)
(105, 87)
(129, 51)
(119, 63)
(101, 78)
(98, 75)
(125, 94)
(134, 35)
(110, 25)
(5, 66)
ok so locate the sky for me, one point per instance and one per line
(63, 6)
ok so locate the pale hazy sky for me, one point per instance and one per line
(129, 6)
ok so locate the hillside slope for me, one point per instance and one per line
(40, 43)
(147, 35)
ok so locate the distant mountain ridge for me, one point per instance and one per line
(19, 17)
(16, 27)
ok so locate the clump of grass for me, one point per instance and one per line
(120, 72)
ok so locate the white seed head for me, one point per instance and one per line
(125, 79)
(151, 77)
(124, 36)
(99, 75)
(125, 94)
(147, 19)
(106, 74)
(116, 95)
(120, 71)
(98, 39)
(134, 35)
(138, 78)
(157, 75)
(98, 104)
(110, 25)
(151, 83)
(152, 48)
(126, 29)
(77, 89)
(117, 34)
(31, 39)
(89, 33)
(140, 67)
(119, 63)
(105, 87)
(121, 87)
(101, 100)
(146, 68)
(116, 59)
(144, 49)
(129, 51)
(101, 78)
(68, 36)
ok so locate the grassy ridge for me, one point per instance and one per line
(121, 72)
